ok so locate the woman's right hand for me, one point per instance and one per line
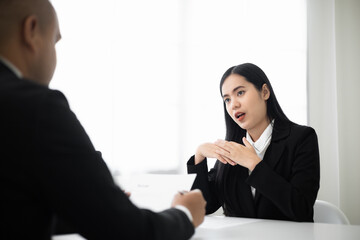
(208, 150)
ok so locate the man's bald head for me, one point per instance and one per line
(29, 31)
(13, 13)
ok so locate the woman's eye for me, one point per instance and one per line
(227, 100)
(240, 93)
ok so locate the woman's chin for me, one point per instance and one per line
(242, 125)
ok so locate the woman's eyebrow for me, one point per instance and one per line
(234, 90)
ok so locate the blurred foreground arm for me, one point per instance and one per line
(194, 202)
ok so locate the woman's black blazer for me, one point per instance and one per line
(286, 180)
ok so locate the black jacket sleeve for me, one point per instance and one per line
(205, 181)
(80, 189)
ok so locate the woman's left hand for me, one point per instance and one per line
(242, 155)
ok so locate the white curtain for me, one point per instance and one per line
(333, 98)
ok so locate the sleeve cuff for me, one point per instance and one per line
(199, 168)
(185, 210)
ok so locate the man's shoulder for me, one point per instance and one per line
(26, 93)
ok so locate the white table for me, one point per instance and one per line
(226, 228)
(255, 229)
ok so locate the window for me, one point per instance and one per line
(143, 76)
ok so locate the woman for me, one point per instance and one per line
(268, 167)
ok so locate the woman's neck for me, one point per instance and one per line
(255, 133)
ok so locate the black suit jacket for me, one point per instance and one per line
(50, 168)
(286, 180)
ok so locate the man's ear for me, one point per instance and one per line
(30, 32)
(265, 91)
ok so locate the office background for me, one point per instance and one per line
(333, 93)
(143, 77)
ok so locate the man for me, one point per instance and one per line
(49, 168)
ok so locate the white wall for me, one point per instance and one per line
(347, 16)
(143, 76)
(333, 85)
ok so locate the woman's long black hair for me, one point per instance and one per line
(230, 178)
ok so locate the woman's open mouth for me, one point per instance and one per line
(240, 116)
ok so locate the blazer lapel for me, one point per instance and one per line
(273, 154)
(280, 133)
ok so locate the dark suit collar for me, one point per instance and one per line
(5, 70)
(8, 74)
(10, 66)
(281, 130)
(280, 133)
(276, 148)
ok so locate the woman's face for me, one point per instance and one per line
(246, 105)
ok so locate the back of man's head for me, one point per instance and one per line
(13, 13)
(24, 36)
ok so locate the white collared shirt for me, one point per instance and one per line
(11, 66)
(261, 145)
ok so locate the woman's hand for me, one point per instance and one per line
(238, 153)
(209, 150)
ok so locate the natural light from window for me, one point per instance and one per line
(143, 75)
